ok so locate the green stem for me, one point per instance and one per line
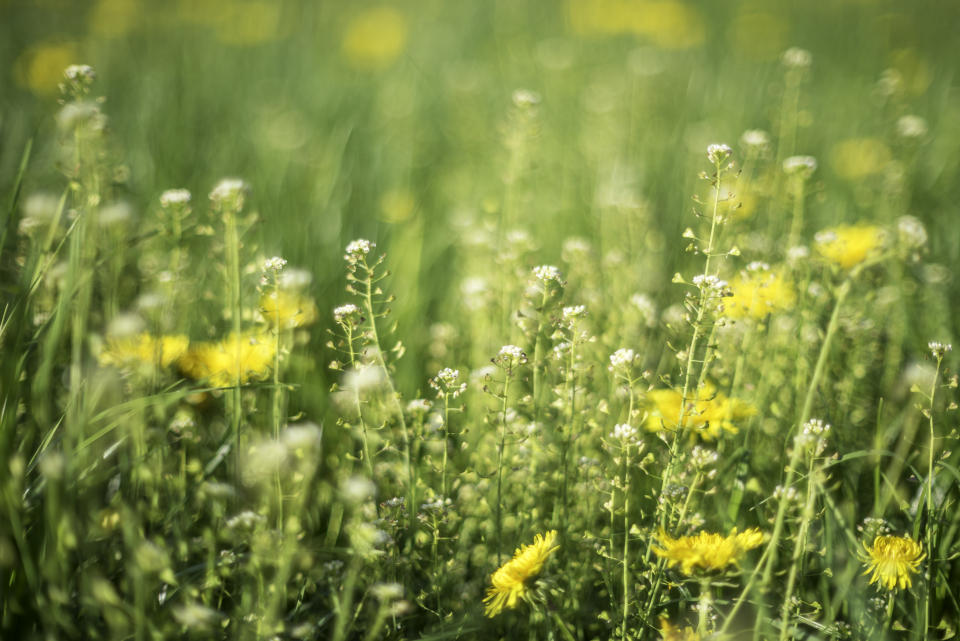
(501, 446)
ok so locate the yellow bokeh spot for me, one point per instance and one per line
(857, 158)
(668, 24)
(913, 69)
(249, 23)
(374, 38)
(114, 18)
(850, 245)
(397, 205)
(758, 35)
(40, 67)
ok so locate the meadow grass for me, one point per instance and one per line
(587, 320)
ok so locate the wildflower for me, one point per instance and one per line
(175, 198)
(707, 551)
(938, 349)
(756, 139)
(240, 358)
(510, 581)
(646, 307)
(796, 58)
(143, 349)
(357, 250)
(447, 381)
(624, 432)
(757, 294)
(708, 415)
(573, 312)
(910, 126)
(911, 231)
(622, 359)
(510, 356)
(800, 166)
(229, 193)
(891, 559)
(418, 407)
(524, 98)
(547, 273)
(850, 245)
(717, 153)
(668, 632)
(346, 313)
(287, 309)
(274, 264)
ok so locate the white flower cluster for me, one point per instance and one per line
(755, 139)
(175, 198)
(788, 494)
(447, 381)
(229, 192)
(718, 152)
(438, 504)
(801, 166)
(79, 73)
(911, 126)
(275, 264)
(938, 349)
(573, 312)
(245, 520)
(758, 266)
(510, 355)
(711, 283)
(796, 58)
(547, 273)
(622, 359)
(345, 312)
(524, 98)
(357, 250)
(624, 432)
(912, 232)
(813, 436)
(418, 406)
(701, 457)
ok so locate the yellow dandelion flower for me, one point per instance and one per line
(374, 38)
(143, 349)
(287, 309)
(758, 294)
(40, 67)
(510, 581)
(238, 358)
(669, 632)
(850, 245)
(707, 416)
(707, 551)
(891, 559)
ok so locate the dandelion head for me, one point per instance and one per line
(511, 582)
(850, 245)
(707, 551)
(891, 560)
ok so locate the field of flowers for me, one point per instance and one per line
(592, 319)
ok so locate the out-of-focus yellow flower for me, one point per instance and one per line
(707, 551)
(757, 294)
(758, 35)
(143, 349)
(892, 559)
(850, 245)
(287, 309)
(40, 67)
(913, 70)
(668, 24)
(857, 158)
(237, 359)
(707, 416)
(249, 22)
(397, 205)
(113, 18)
(374, 38)
(509, 583)
(669, 632)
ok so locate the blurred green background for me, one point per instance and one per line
(392, 121)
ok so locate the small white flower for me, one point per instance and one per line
(229, 192)
(175, 198)
(718, 152)
(622, 359)
(796, 58)
(646, 307)
(802, 166)
(418, 406)
(798, 253)
(343, 312)
(912, 232)
(572, 312)
(938, 349)
(524, 98)
(447, 381)
(755, 138)
(275, 264)
(624, 432)
(547, 273)
(510, 355)
(911, 126)
(357, 250)
(77, 73)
